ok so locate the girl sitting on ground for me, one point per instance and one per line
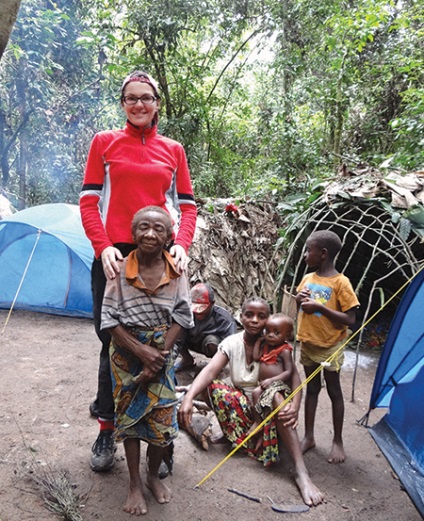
(232, 403)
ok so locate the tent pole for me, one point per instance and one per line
(22, 280)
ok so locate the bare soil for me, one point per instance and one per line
(48, 378)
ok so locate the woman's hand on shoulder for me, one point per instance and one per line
(111, 257)
(180, 257)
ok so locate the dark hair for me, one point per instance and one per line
(328, 240)
(255, 299)
(157, 209)
(289, 321)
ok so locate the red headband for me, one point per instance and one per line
(142, 78)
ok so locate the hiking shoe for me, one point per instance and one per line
(103, 450)
(94, 413)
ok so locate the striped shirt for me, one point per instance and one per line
(127, 302)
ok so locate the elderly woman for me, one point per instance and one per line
(126, 170)
(144, 309)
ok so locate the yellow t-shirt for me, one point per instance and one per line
(333, 292)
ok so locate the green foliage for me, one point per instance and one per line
(46, 107)
(409, 130)
(267, 97)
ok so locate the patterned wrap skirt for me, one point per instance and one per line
(234, 414)
(266, 400)
(145, 412)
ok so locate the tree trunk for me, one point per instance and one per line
(21, 94)
(338, 129)
(22, 170)
(8, 13)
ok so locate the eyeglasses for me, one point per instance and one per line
(133, 100)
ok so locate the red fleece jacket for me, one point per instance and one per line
(127, 170)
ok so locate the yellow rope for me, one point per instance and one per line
(306, 381)
(22, 280)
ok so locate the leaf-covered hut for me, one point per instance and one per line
(380, 220)
(254, 249)
(234, 250)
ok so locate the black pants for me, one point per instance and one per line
(104, 400)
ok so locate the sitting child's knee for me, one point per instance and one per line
(210, 350)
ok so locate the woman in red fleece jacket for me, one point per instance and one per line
(127, 170)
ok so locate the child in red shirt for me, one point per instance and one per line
(276, 366)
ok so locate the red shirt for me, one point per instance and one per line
(130, 169)
(270, 355)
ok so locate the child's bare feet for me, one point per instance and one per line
(337, 454)
(307, 444)
(135, 503)
(311, 494)
(160, 491)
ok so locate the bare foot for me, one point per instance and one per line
(307, 444)
(311, 494)
(161, 492)
(135, 503)
(337, 454)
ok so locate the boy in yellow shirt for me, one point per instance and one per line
(327, 306)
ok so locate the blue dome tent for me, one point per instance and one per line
(45, 254)
(399, 386)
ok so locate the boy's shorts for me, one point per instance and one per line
(311, 354)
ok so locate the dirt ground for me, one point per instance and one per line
(48, 378)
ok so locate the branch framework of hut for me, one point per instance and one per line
(381, 252)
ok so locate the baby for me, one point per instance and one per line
(276, 365)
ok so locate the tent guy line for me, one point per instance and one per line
(21, 281)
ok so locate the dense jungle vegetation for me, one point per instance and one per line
(268, 97)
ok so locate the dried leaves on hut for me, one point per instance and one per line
(234, 250)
